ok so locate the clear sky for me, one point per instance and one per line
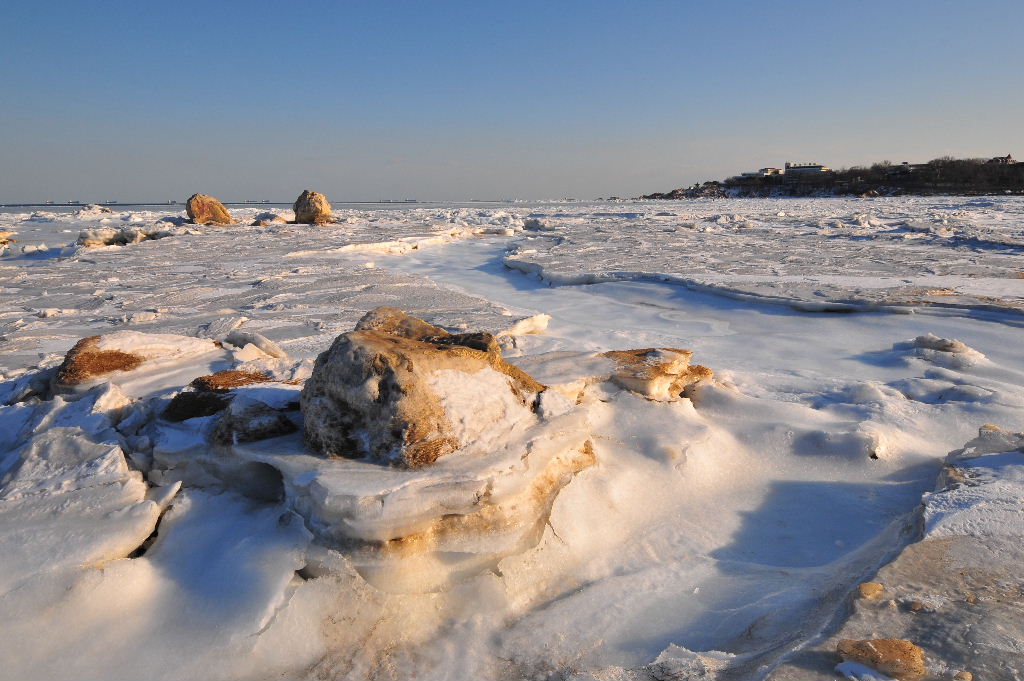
(478, 99)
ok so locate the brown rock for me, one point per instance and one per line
(223, 381)
(125, 351)
(963, 676)
(189, 405)
(405, 401)
(871, 591)
(396, 322)
(894, 657)
(86, 360)
(311, 208)
(206, 210)
(656, 373)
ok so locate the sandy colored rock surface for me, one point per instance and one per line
(312, 208)
(872, 591)
(656, 373)
(396, 322)
(206, 210)
(222, 381)
(399, 400)
(86, 361)
(894, 657)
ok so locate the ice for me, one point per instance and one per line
(718, 534)
(820, 256)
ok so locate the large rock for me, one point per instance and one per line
(311, 208)
(894, 657)
(400, 391)
(206, 210)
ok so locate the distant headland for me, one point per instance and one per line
(946, 175)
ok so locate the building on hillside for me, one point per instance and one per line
(1007, 160)
(763, 172)
(810, 174)
(810, 168)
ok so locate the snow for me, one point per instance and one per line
(710, 535)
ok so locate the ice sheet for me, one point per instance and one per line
(718, 533)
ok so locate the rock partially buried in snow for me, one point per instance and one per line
(97, 357)
(87, 360)
(656, 373)
(249, 420)
(267, 219)
(410, 397)
(206, 210)
(946, 352)
(396, 322)
(871, 591)
(223, 381)
(894, 657)
(312, 208)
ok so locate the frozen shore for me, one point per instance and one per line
(721, 531)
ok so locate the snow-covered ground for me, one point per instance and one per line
(732, 523)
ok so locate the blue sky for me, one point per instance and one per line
(460, 100)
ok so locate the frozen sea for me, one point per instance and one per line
(730, 524)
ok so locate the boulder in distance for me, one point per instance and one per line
(206, 210)
(312, 208)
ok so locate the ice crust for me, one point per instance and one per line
(709, 537)
(841, 254)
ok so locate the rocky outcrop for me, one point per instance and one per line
(206, 210)
(403, 392)
(711, 189)
(894, 657)
(312, 208)
(656, 373)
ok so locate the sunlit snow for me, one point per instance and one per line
(854, 344)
